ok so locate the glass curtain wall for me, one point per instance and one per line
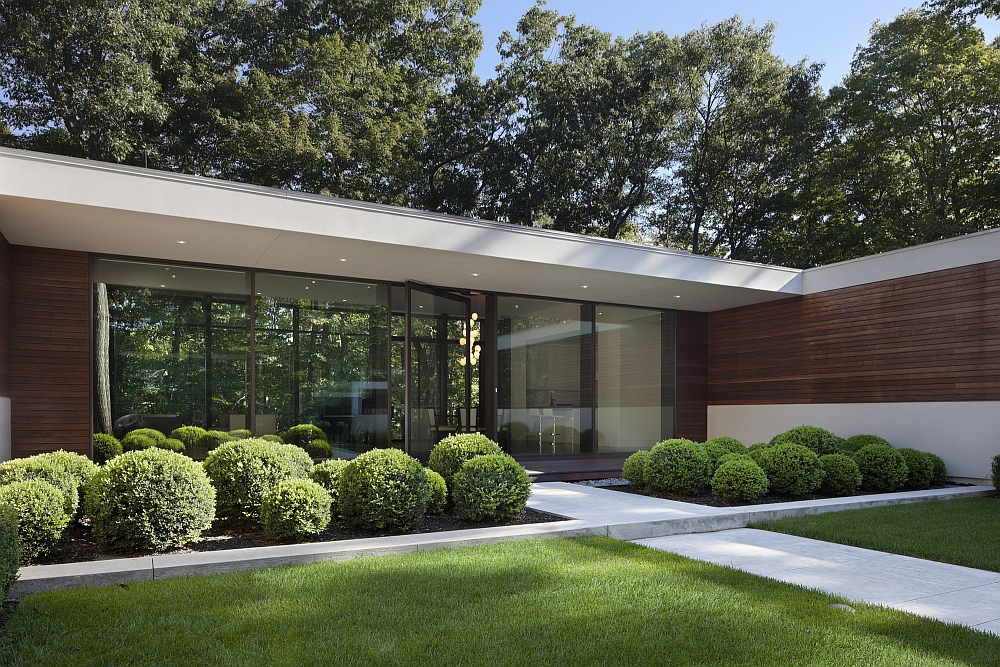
(321, 359)
(634, 378)
(171, 346)
(545, 380)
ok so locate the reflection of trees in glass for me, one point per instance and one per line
(176, 353)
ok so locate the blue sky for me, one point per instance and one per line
(820, 31)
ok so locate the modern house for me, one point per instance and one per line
(132, 297)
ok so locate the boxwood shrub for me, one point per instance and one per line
(212, 439)
(80, 467)
(995, 472)
(791, 469)
(677, 465)
(317, 449)
(40, 510)
(294, 509)
(383, 489)
(842, 475)
(10, 550)
(758, 452)
(44, 468)
(242, 471)
(141, 438)
(939, 474)
(856, 442)
(732, 444)
(490, 487)
(241, 433)
(817, 439)
(634, 468)
(882, 468)
(449, 455)
(734, 456)
(171, 445)
(919, 468)
(302, 434)
(739, 478)
(300, 459)
(106, 447)
(715, 452)
(439, 492)
(190, 435)
(150, 499)
(273, 438)
(327, 475)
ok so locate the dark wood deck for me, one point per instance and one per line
(571, 467)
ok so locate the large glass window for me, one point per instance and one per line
(321, 359)
(171, 346)
(634, 348)
(545, 377)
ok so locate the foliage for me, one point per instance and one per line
(300, 459)
(677, 465)
(856, 442)
(792, 469)
(634, 468)
(817, 439)
(450, 454)
(512, 433)
(758, 452)
(294, 509)
(40, 511)
(303, 434)
(882, 468)
(106, 447)
(842, 475)
(733, 456)
(939, 474)
(739, 478)
(212, 439)
(732, 444)
(919, 468)
(241, 433)
(78, 466)
(142, 438)
(171, 445)
(190, 435)
(715, 452)
(318, 449)
(995, 472)
(10, 550)
(327, 475)
(242, 471)
(150, 499)
(273, 438)
(43, 468)
(439, 492)
(384, 489)
(490, 487)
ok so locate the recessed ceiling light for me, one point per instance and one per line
(182, 242)
(307, 286)
(475, 274)
(677, 296)
(162, 285)
(314, 282)
(516, 306)
(583, 286)
(173, 275)
(342, 259)
(421, 306)
(258, 293)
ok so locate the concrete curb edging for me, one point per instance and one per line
(44, 578)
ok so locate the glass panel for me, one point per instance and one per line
(438, 388)
(630, 407)
(320, 347)
(545, 375)
(171, 347)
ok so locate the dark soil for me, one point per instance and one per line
(712, 501)
(79, 544)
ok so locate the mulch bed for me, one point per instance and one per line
(712, 501)
(79, 544)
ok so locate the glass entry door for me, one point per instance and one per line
(437, 361)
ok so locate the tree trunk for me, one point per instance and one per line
(102, 319)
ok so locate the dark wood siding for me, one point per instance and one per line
(50, 350)
(931, 337)
(692, 375)
(4, 316)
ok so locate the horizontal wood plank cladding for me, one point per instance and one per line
(4, 316)
(692, 375)
(931, 337)
(50, 350)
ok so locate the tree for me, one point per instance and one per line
(917, 116)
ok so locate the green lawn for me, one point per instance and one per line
(556, 602)
(963, 532)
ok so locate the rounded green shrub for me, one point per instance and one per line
(439, 492)
(273, 438)
(295, 508)
(856, 442)
(141, 438)
(327, 475)
(715, 452)
(150, 499)
(383, 489)
(317, 449)
(677, 465)
(171, 445)
(919, 468)
(759, 452)
(634, 468)
(512, 433)
(242, 471)
(939, 471)
(734, 456)
(241, 433)
(490, 487)
(41, 467)
(10, 550)
(815, 438)
(842, 475)
(732, 444)
(303, 434)
(792, 470)
(449, 455)
(40, 510)
(739, 479)
(80, 467)
(106, 447)
(995, 472)
(882, 468)
(190, 435)
(300, 459)
(212, 439)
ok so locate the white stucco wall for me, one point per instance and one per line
(965, 434)
(4, 428)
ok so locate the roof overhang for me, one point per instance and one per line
(58, 202)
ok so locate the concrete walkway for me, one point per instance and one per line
(946, 592)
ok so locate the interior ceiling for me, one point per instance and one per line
(127, 233)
